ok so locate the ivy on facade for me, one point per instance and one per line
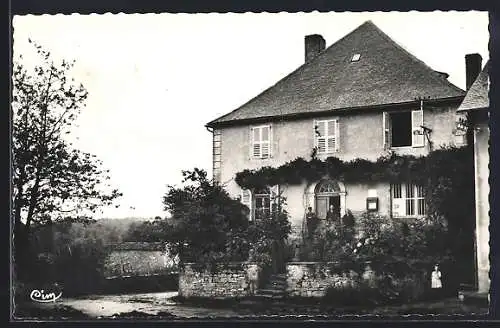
(447, 175)
(392, 168)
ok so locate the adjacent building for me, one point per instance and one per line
(475, 116)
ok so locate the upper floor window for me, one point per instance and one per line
(407, 200)
(403, 129)
(260, 137)
(326, 136)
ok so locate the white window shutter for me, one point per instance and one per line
(275, 191)
(251, 143)
(265, 142)
(246, 199)
(386, 132)
(271, 141)
(417, 121)
(337, 134)
(275, 195)
(398, 207)
(321, 128)
(256, 145)
(321, 145)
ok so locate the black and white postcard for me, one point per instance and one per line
(250, 165)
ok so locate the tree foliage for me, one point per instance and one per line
(208, 226)
(70, 252)
(51, 179)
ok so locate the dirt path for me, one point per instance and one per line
(102, 306)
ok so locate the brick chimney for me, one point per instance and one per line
(473, 64)
(314, 44)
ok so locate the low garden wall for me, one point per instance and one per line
(224, 281)
(317, 279)
(310, 280)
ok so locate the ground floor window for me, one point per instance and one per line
(407, 200)
(262, 203)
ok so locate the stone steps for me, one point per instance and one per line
(275, 288)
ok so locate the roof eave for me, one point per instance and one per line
(468, 109)
(214, 124)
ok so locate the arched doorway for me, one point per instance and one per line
(326, 193)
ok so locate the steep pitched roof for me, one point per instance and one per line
(385, 74)
(477, 96)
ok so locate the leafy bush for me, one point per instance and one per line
(209, 227)
(386, 240)
(267, 236)
(406, 245)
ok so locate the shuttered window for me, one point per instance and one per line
(403, 129)
(326, 133)
(261, 141)
(407, 200)
(417, 121)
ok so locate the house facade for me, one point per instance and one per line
(474, 110)
(363, 97)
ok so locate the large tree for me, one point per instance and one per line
(50, 178)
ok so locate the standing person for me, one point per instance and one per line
(436, 283)
(312, 222)
(332, 215)
(253, 279)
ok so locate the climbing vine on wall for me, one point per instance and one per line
(447, 175)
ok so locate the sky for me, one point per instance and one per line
(155, 80)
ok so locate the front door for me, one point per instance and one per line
(323, 204)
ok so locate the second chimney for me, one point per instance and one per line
(473, 64)
(314, 45)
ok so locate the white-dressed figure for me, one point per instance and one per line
(436, 278)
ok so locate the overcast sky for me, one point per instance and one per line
(154, 80)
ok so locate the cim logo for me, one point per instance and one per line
(43, 297)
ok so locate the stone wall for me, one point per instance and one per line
(227, 281)
(313, 279)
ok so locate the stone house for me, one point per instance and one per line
(364, 96)
(133, 259)
(474, 109)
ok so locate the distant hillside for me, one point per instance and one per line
(116, 229)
